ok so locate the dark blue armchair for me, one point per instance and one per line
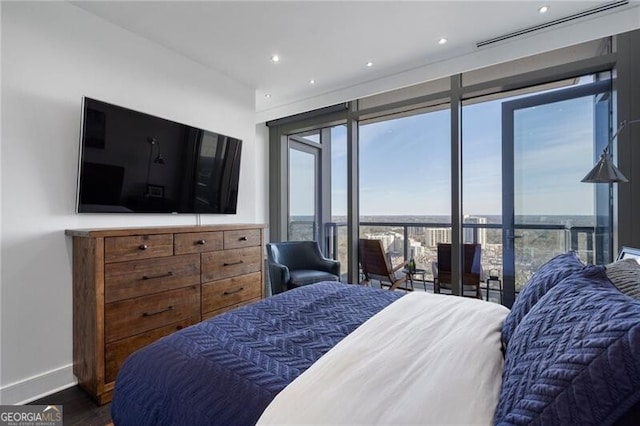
(296, 263)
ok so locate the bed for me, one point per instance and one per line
(568, 352)
(228, 369)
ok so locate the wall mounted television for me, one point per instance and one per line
(131, 162)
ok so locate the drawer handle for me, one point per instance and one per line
(232, 263)
(151, 277)
(143, 246)
(201, 242)
(228, 293)
(150, 314)
(242, 239)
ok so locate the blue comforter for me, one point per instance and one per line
(226, 370)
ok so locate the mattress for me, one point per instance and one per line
(228, 369)
(424, 360)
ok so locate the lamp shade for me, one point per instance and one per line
(604, 172)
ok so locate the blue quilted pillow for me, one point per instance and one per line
(547, 276)
(575, 358)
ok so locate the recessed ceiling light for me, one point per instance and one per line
(275, 59)
(267, 95)
(543, 9)
(442, 40)
(312, 81)
(369, 64)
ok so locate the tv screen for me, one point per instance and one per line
(131, 162)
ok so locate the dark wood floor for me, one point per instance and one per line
(78, 408)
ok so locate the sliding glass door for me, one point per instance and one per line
(549, 142)
(317, 190)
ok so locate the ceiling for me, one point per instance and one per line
(331, 41)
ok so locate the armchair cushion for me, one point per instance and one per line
(300, 277)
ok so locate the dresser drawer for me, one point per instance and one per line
(117, 352)
(231, 291)
(242, 238)
(118, 249)
(133, 316)
(198, 242)
(218, 265)
(124, 280)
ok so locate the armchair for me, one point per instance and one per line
(296, 263)
(471, 274)
(376, 266)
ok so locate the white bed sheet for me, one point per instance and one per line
(425, 359)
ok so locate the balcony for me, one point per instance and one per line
(537, 244)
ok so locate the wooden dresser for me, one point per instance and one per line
(132, 286)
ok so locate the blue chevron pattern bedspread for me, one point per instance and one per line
(226, 370)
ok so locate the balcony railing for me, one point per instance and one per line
(539, 243)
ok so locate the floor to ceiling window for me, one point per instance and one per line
(390, 173)
(405, 184)
(482, 184)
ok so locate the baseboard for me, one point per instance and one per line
(36, 387)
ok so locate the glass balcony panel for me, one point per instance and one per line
(302, 195)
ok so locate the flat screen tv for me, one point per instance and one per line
(131, 162)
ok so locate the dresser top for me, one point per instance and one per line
(118, 232)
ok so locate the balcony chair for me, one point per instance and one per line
(376, 265)
(296, 263)
(472, 270)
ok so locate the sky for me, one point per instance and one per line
(405, 163)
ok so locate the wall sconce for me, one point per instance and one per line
(605, 171)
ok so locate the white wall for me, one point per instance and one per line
(53, 53)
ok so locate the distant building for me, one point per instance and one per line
(392, 242)
(481, 232)
(434, 236)
(417, 249)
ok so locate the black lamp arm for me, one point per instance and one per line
(623, 123)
